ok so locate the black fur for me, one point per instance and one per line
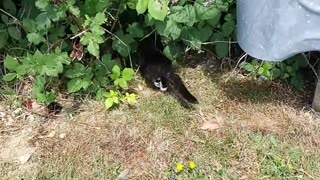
(158, 72)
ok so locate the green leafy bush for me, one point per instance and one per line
(291, 70)
(71, 44)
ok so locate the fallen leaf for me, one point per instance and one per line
(140, 153)
(29, 104)
(210, 125)
(243, 177)
(24, 158)
(123, 175)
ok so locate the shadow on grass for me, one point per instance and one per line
(249, 90)
(236, 87)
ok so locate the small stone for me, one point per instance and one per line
(140, 88)
(30, 118)
(17, 112)
(2, 114)
(52, 134)
(62, 135)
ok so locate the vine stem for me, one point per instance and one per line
(112, 34)
(8, 14)
(310, 65)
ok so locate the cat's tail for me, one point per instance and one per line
(180, 90)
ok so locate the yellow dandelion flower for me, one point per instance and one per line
(192, 165)
(180, 167)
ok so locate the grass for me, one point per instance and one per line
(265, 133)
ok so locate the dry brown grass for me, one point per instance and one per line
(153, 137)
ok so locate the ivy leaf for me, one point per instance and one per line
(75, 11)
(127, 74)
(148, 20)
(142, 6)
(97, 30)
(43, 21)
(191, 37)
(39, 85)
(3, 39)
(206, 12)
(108, 103)
(39, 92)
(93, 49)
(214, 21)
(74, 85)
(78, 70)
(275, 73)
(86, 38)
(108, 63)
(116, 72)
(21, 70)
(132, 4)
(167, 28)
(92, 7)
(29, 25)
(100, 18)
(5, 19)
(205, 33)
(122, 45)
(35, 38)
(9, 76)
(135, 30)
(121, 82)
(186, 15)
(86, 81)
(172, 52)
(63, 58)
(11, 63)
(42, 4)
(9, 6)
(247, 66)
(218, 36)
(158, 9)
(228, 28)
(92, 40)
(267, 65)
(131, 98)
(222, 50)
(14, 32)
(52, 68)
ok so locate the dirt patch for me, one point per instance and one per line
(16, 131)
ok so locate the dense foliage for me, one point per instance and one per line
(291, 69)
(89, 46)
(70, 44)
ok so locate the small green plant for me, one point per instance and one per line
(291, 70)
(113, 98)
(38, 65)
(274, 161)
(120, 80)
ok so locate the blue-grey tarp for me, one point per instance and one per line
(275, 30)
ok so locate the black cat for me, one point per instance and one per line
(158, 72)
